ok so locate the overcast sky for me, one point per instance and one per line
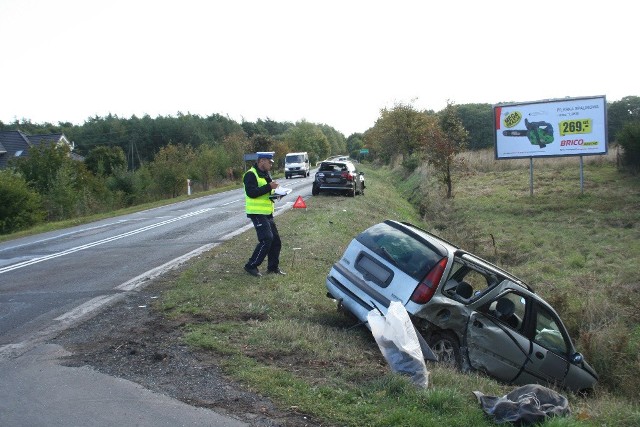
(333, 62)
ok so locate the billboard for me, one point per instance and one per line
(551, 128)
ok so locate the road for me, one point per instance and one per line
(53, 280)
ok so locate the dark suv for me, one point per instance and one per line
(338, 176)
(472, 313)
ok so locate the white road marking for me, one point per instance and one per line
(100, 242)
(90, 308)
(57, 236)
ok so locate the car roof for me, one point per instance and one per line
(460, 253)
(438, 238)
(486, 264)
(336, 162)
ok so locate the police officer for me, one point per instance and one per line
(259, 205)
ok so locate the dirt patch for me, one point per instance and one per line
(133, 341)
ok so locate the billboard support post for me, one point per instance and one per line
(531, 176)
(581, 176)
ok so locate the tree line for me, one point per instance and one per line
(133, 160)
(137, 160)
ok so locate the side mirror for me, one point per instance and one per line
(577, 358)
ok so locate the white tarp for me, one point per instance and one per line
(399, 343)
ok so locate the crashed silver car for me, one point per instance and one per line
(472, 313)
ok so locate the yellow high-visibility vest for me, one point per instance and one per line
(260, 205)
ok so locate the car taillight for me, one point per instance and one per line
(347, 175)
(425, 290)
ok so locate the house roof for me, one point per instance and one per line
(15, 143)
(53, 137)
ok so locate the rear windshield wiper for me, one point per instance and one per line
(383, 252)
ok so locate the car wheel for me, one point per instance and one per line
(315, 190)
(286, 176)
(445, 345)
(352, 192)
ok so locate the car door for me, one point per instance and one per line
(497, 346)
(549, 349)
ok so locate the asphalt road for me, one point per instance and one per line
(53, 280)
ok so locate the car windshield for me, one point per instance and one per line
(403, 251)
(295, 158)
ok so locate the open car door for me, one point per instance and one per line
(496, 348)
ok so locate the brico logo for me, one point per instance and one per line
(574, 142)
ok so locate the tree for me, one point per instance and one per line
(236, 145)
(477, 119)
(619, 113)
(398, 132)
(66, 186)
(275, 128)
(261, 142)
(305, 136)
(103, 160)
(445, 138)
(251, 129)
(336, 139)
(40, 168)
(131, 187)
(355, 144)
(629, 140)
(63, 199)
(20, 206)
(170, 169)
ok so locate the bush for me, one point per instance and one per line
(20, 207)
(629, 140)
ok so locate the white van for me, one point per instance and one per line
(296, 164)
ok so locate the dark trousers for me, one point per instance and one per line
(269, 243)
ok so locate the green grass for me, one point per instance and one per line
(282, 337)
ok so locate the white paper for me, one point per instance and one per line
(281, 191)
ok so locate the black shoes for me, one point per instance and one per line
(253, 271)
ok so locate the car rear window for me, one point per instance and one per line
(333, 167)
(403, 250)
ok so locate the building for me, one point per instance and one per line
(16, 144)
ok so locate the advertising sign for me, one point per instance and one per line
(552, 128)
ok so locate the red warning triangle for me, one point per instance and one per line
(299, 203)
